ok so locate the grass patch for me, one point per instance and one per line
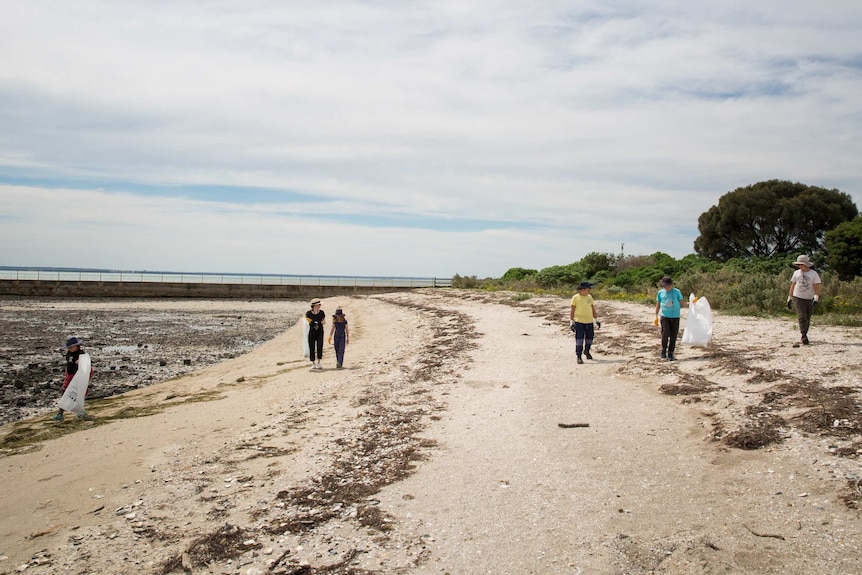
(26, 436)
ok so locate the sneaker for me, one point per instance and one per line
(670, 358)
(804, 340)
(58, 417)
(82, 415)
(580, 359)
(337, 366)
(586, 353)
(664, 355)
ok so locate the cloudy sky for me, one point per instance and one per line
(407, 138)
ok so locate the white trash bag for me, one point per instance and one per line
(698, 323)
(76, 391)
(306, 351)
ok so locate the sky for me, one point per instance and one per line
(399, 138)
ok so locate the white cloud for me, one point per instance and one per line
(564, 127)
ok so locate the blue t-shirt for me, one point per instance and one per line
(669, 302)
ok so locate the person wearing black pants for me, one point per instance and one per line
(316, 320)
(668, 305)
(669, 334)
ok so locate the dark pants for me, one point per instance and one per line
(583, 337)
(669, 333)
(315, 340)
(340, 343)
(804, 309)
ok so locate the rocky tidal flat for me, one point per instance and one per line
(132, 343)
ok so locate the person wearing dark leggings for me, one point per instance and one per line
(316, 320)
(667, 307)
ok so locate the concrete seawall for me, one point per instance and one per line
(114, 289)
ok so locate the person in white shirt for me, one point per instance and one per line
(804, 293)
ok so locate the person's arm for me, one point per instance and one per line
(793, 286)
(346, 334)
(572, 314)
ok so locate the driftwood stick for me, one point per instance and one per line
(753, 532)
(568, 425)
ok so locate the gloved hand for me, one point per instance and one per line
(655, 321)
(572, 325)
(330, 340)
(695, 300)
(816, 300)
(598, 324)
(789, 304)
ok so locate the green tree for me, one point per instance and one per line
(556, 276)
(595, 262)
(769, 218)
(844, 245)
(517, 274)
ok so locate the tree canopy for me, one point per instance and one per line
(774, 217)
(844, 244)
(515, 274)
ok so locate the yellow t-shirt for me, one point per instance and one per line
(583, 308)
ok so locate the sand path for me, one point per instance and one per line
(438, 450)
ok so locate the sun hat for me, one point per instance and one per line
(338, 311)
(667, 281)
(72, 340)
(315, 301)
(803, 260)
(585, 285)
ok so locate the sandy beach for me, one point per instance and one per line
(461, 437)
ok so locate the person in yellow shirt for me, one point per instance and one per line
(581, 317)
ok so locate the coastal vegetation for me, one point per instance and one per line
(743, 260)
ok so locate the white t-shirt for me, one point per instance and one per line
(804, 288)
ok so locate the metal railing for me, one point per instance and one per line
(223, 279)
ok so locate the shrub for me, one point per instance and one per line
(465, 282)
(516, 274)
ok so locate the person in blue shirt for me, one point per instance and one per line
(668, 305)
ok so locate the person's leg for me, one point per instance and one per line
(312, 343)
(339, 350)
(804, 308)
(588, 339)
(319, 347)
(580, 336)
(66, 381)
(665, 335)
(673, 328)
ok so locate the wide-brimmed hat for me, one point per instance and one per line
(667, 281)
(585, 285)
(339, 312)
(72, 341)
(803, 260)
(315, 301)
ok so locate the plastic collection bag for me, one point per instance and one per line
(698, 323)
(76, 391)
